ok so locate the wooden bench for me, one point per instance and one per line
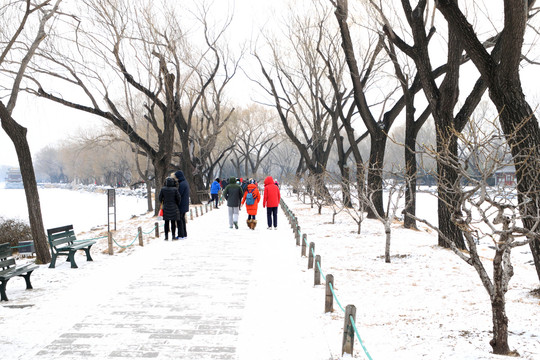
(9, 269)
(63, 242)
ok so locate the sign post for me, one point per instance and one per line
(111, 203)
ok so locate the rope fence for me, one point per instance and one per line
(349, 328)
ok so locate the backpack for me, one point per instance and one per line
(250, 200)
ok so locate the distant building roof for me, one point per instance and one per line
(506, 170)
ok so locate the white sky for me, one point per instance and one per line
(49, 123)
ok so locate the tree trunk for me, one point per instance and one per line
(410, 171)
(521, 129)
(387, 245)
(375, 175)
(148, 184)
(345, 186)
(499, 343)
(161, 169)
(446, 179)
(17, 134)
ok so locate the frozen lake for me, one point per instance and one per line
(59, 207)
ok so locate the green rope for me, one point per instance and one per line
(125, 247)
(320, 270)
(146, 233)
(359, 338)
(335, 297)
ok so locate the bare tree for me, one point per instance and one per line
(501, 72)
(20, 52)
(255, 137)
(488, 214)
(442, 98)
(295, 81)
(147, 54)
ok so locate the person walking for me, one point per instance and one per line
(169, 197)
(233, 194)
(214, 192)
(251, 199)
(183, 189)
(271, 199)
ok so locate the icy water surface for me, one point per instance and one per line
(59, 207)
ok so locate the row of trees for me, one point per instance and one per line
(338, 78)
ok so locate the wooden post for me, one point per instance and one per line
(196, 212)
(310, 255)
(191, 214)
(110, 241)
(329, 298)
(348, 330)
(304, 242)
(157, 230)
(304, 239)
(141, 240)
(317, 272)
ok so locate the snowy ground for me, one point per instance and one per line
(426, 304)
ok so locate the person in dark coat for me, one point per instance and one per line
(214, 192)
(271, 200)
(233, 194)
(183, 189)
(169, 197)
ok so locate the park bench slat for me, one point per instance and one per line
(11, 269)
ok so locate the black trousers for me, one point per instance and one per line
(172, 225)
(271, 216)
(251, 217)
(182, 231)
(215, 199)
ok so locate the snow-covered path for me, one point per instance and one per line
(220, 294)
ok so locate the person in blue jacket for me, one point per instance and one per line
(214, 191)
(183, 189)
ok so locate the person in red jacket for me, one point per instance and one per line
(251, 208)
(271, 200)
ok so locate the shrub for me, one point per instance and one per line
(13, 231)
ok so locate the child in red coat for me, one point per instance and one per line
(251, 191)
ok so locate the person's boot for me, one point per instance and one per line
(253, 224)
(248, 222)
(235, 223)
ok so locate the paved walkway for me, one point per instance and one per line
(212, 296)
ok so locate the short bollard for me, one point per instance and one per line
(190, 214)
(329, 298)
(304, 239)
(110, 242)
(196, 212)
(304, 244)
(317, 272)
(157, 230)
(310, 255)
(201, 208)
(297, 235)
(141, 240)
(348, 330)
